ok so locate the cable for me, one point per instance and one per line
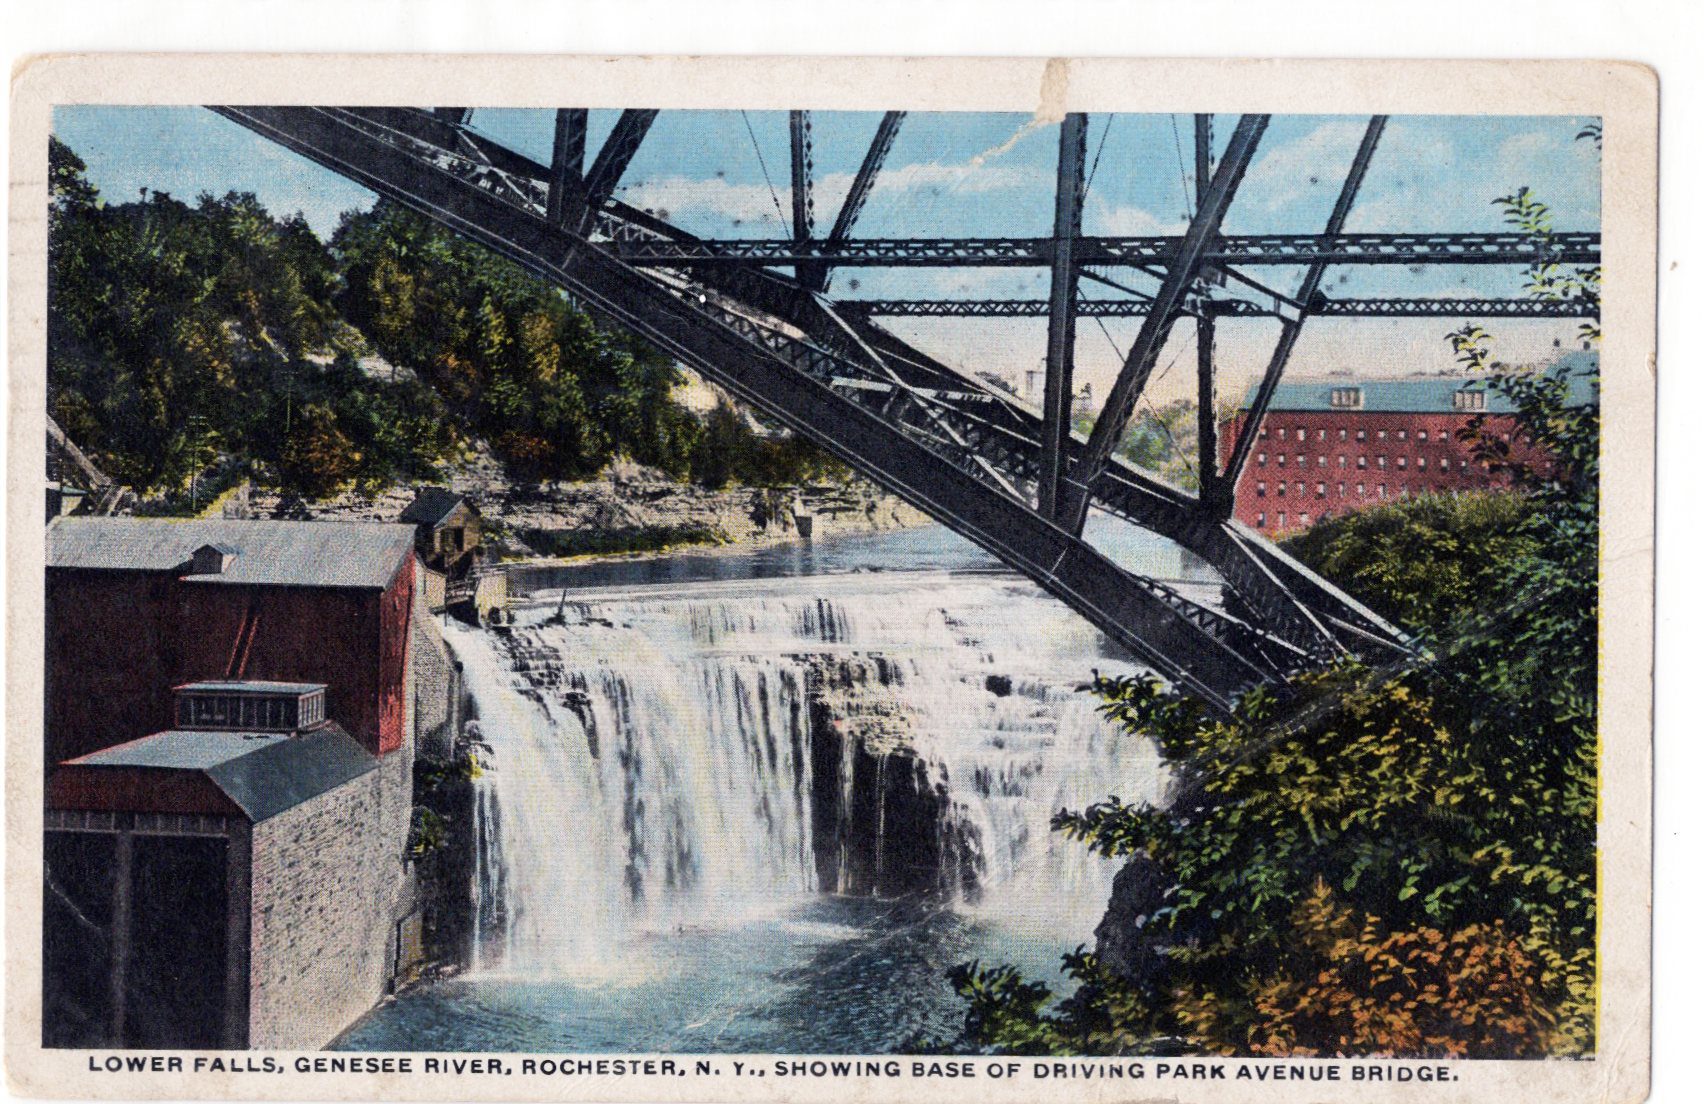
(773, 195)
(1182, 175)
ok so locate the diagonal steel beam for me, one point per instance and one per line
(1139, 363)
(567, 163)
(1062, 312)
(1292, 328)
(859, 193)
(617, 153)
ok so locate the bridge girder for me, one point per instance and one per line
(968, 454)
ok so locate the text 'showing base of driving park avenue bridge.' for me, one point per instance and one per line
(755, 317)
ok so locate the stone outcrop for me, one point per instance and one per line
(881, 816)
(645, 505)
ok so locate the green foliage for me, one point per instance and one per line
(182, 333)
(1162, 440)
(589, 542)
(431, 772)
(428, 832)
(1420, 560)
(1385, 863)
(730, 451)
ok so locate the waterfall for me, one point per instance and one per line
(654, 753)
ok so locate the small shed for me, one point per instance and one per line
(446, 527)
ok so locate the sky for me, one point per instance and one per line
(725, 174)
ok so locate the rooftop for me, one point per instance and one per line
(1416, 394)
(266, 553)
(432, 505)
(249, 686)
(263, 774)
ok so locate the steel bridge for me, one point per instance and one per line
(756, 318)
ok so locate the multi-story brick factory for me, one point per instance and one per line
(1331, 445)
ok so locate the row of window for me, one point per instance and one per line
(1301, 488)
(1360, 461)
(246, 711)
(1302, 434)
(1381, 491)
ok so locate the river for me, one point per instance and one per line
(763, 801)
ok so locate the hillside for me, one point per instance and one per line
(192, 344)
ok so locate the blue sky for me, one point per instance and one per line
(724, 174)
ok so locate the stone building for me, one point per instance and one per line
(231, 725)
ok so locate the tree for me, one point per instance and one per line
(1392, 862)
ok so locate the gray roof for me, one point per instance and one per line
(266, 553)
(250, 686)
(432, 505)
(264, 774)
(1418, 395)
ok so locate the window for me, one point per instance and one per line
(1299, 487)
(1402, 463)
(1301, 519)
(1301, 461)
(1281, 486)
(1360, 435)
(1280, 459)
(1360, 462)
(1381, 490)
(1319, 490)
(1444, 462)
(1402, 435)
(1381, 434)
(1361, 489)
(1301, 433)
(1342, 460)
(1469, 400)
(1262, 435)
(1345, 398)
(1260, 521)
(1421, 435)
(1260, 490)
(1283, 434)
(1420, 463)
(1443, 435)
(1381, 462)
(1280, 519)
(1343, 435)
(1340, 490)
(1261, 459)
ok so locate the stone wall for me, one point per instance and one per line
(437, 689)
(324, 878)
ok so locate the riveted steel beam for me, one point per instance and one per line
(1181, 275)
(1223, 501)
(1061, 312)
(567, 164)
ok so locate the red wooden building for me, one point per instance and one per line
(138, 607)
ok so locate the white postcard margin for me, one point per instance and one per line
(1623, 94)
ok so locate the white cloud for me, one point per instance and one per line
(1282, 174)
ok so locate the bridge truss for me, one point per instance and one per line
(756, 317)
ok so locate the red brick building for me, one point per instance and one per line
(1329, 446)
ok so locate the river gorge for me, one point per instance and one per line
(763, 802)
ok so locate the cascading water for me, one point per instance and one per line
(652, 758)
